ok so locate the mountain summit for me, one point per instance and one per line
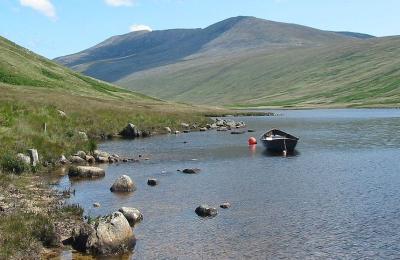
(120, 56)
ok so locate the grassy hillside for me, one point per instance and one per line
(363, 73)
(33, 89)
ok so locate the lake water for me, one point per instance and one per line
(338, 197)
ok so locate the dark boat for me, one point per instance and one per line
(278, 141)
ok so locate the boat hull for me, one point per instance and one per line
(280, 145)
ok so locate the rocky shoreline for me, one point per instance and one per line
(72, 229)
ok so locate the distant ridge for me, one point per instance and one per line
(356, 35)
(246, 61)
(120, 56)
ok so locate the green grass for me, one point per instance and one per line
(362, 73)
(33, 89)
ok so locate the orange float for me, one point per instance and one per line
(252, 141)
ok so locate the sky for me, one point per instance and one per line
(54, 28)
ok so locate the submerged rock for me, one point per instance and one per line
(225, 205)
(191, 170)
(110, 235)
(96, 205)
(123, 184)
(206, 211)
(133, 215)
(86, 172)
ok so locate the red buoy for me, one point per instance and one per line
(252, 141)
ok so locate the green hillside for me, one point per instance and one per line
(33, 89)
(362, 73)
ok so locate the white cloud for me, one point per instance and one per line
(139, 27)
(120, 2)
(43, 6)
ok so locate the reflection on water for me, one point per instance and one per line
(337, 197)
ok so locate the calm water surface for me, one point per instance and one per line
(339, 197)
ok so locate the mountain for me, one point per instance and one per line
(245, 61)
(120, 56)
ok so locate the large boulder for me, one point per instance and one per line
(206, 211)
(123, 184)
(86, 172)
(110, 235)
(133, 215)
(130, 131)
(33, 154)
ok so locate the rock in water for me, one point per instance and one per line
(133, 215)
(86, 172)
(110, 235)
(225, 205)
(168, 130)
(152, 182)
(123, 184)
(81, 154)
(130, 131)
(191, 171)
(33, 153)
(77, 160)
(206, 211)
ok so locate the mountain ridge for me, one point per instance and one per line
(246, 61)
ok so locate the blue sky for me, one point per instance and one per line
(58, 27)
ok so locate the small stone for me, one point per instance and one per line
(191, 171)
(251, 130)
(90, 159)
(61, 113)
(185, 125)
(203, 129)
(225, 205)
(77, 160)
(83, 136)
(81, 154)
(206, 211)
(96, 205)
(168, 130)
(152, 182)
(177, 132)
(186, 131)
